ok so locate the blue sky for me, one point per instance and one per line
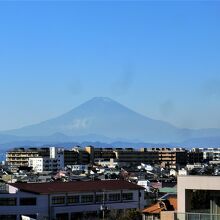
(159, 58)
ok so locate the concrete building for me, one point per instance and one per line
(71, 157)
(145, 184)
(183, 172)
(130, 156)
(198, 197)
(171, 157)
(209, 154)
(195, 156)
(83, 155)
(19, 157)
(37, 164)
(53, 163)
(112, 163)
(80, 167)
(63, 201)
(100, 154)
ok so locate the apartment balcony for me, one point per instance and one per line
(21, 155)
(196, 216)
(171, 215)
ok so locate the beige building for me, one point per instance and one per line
(198, 197)
(170, 157)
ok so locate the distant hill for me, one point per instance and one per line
(105, 120)
(202, 142)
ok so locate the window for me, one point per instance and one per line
(34, 216)
(28, 201)
(86, 198)
(99, 198)
(8, 217)
(127, 196)
(114, 197)
(8, 201)
(58, 200)
(72, 199)
(62, 216)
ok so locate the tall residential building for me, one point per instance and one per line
(53, 163)
(19, 157)
(71, 157)
(39, 158)
(209, 154)
(170, 157)
(129, 156)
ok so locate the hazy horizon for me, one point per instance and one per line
(160, 59)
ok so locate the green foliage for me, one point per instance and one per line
(126, 215)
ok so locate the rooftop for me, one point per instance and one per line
(169, 204)
(77, 186)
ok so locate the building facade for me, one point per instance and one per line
(69, 200)
(19, 157)
(54, 162)
(198, 195)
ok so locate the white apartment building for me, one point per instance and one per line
(79, 167)
(70, 200)
(37, 164)
(53, 163)
(111, 163)
(145, 184)
(211, 154)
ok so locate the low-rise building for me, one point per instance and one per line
(182, 172)
(70, 200)
(106, 163)
(79, 167)
(162, 210)
(145, 184)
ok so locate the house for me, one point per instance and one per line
(166, 204)
(182, 172)
(69, 200)
(145, 184)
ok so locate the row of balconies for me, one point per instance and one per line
(21, 155)
(18, 163)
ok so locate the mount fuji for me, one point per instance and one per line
(103, 119)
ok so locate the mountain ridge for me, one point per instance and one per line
(102, 118)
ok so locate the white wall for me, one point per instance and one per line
(36, 163)
(41, 208)
(44, 201)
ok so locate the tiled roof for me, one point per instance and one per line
(173, 202)
(78, 186)
(153, 209)
(169, 205)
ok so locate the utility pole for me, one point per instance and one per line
(103, 207)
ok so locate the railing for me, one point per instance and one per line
(196, 216)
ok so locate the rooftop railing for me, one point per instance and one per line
(196, 216)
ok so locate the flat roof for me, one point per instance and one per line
(76, 186)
